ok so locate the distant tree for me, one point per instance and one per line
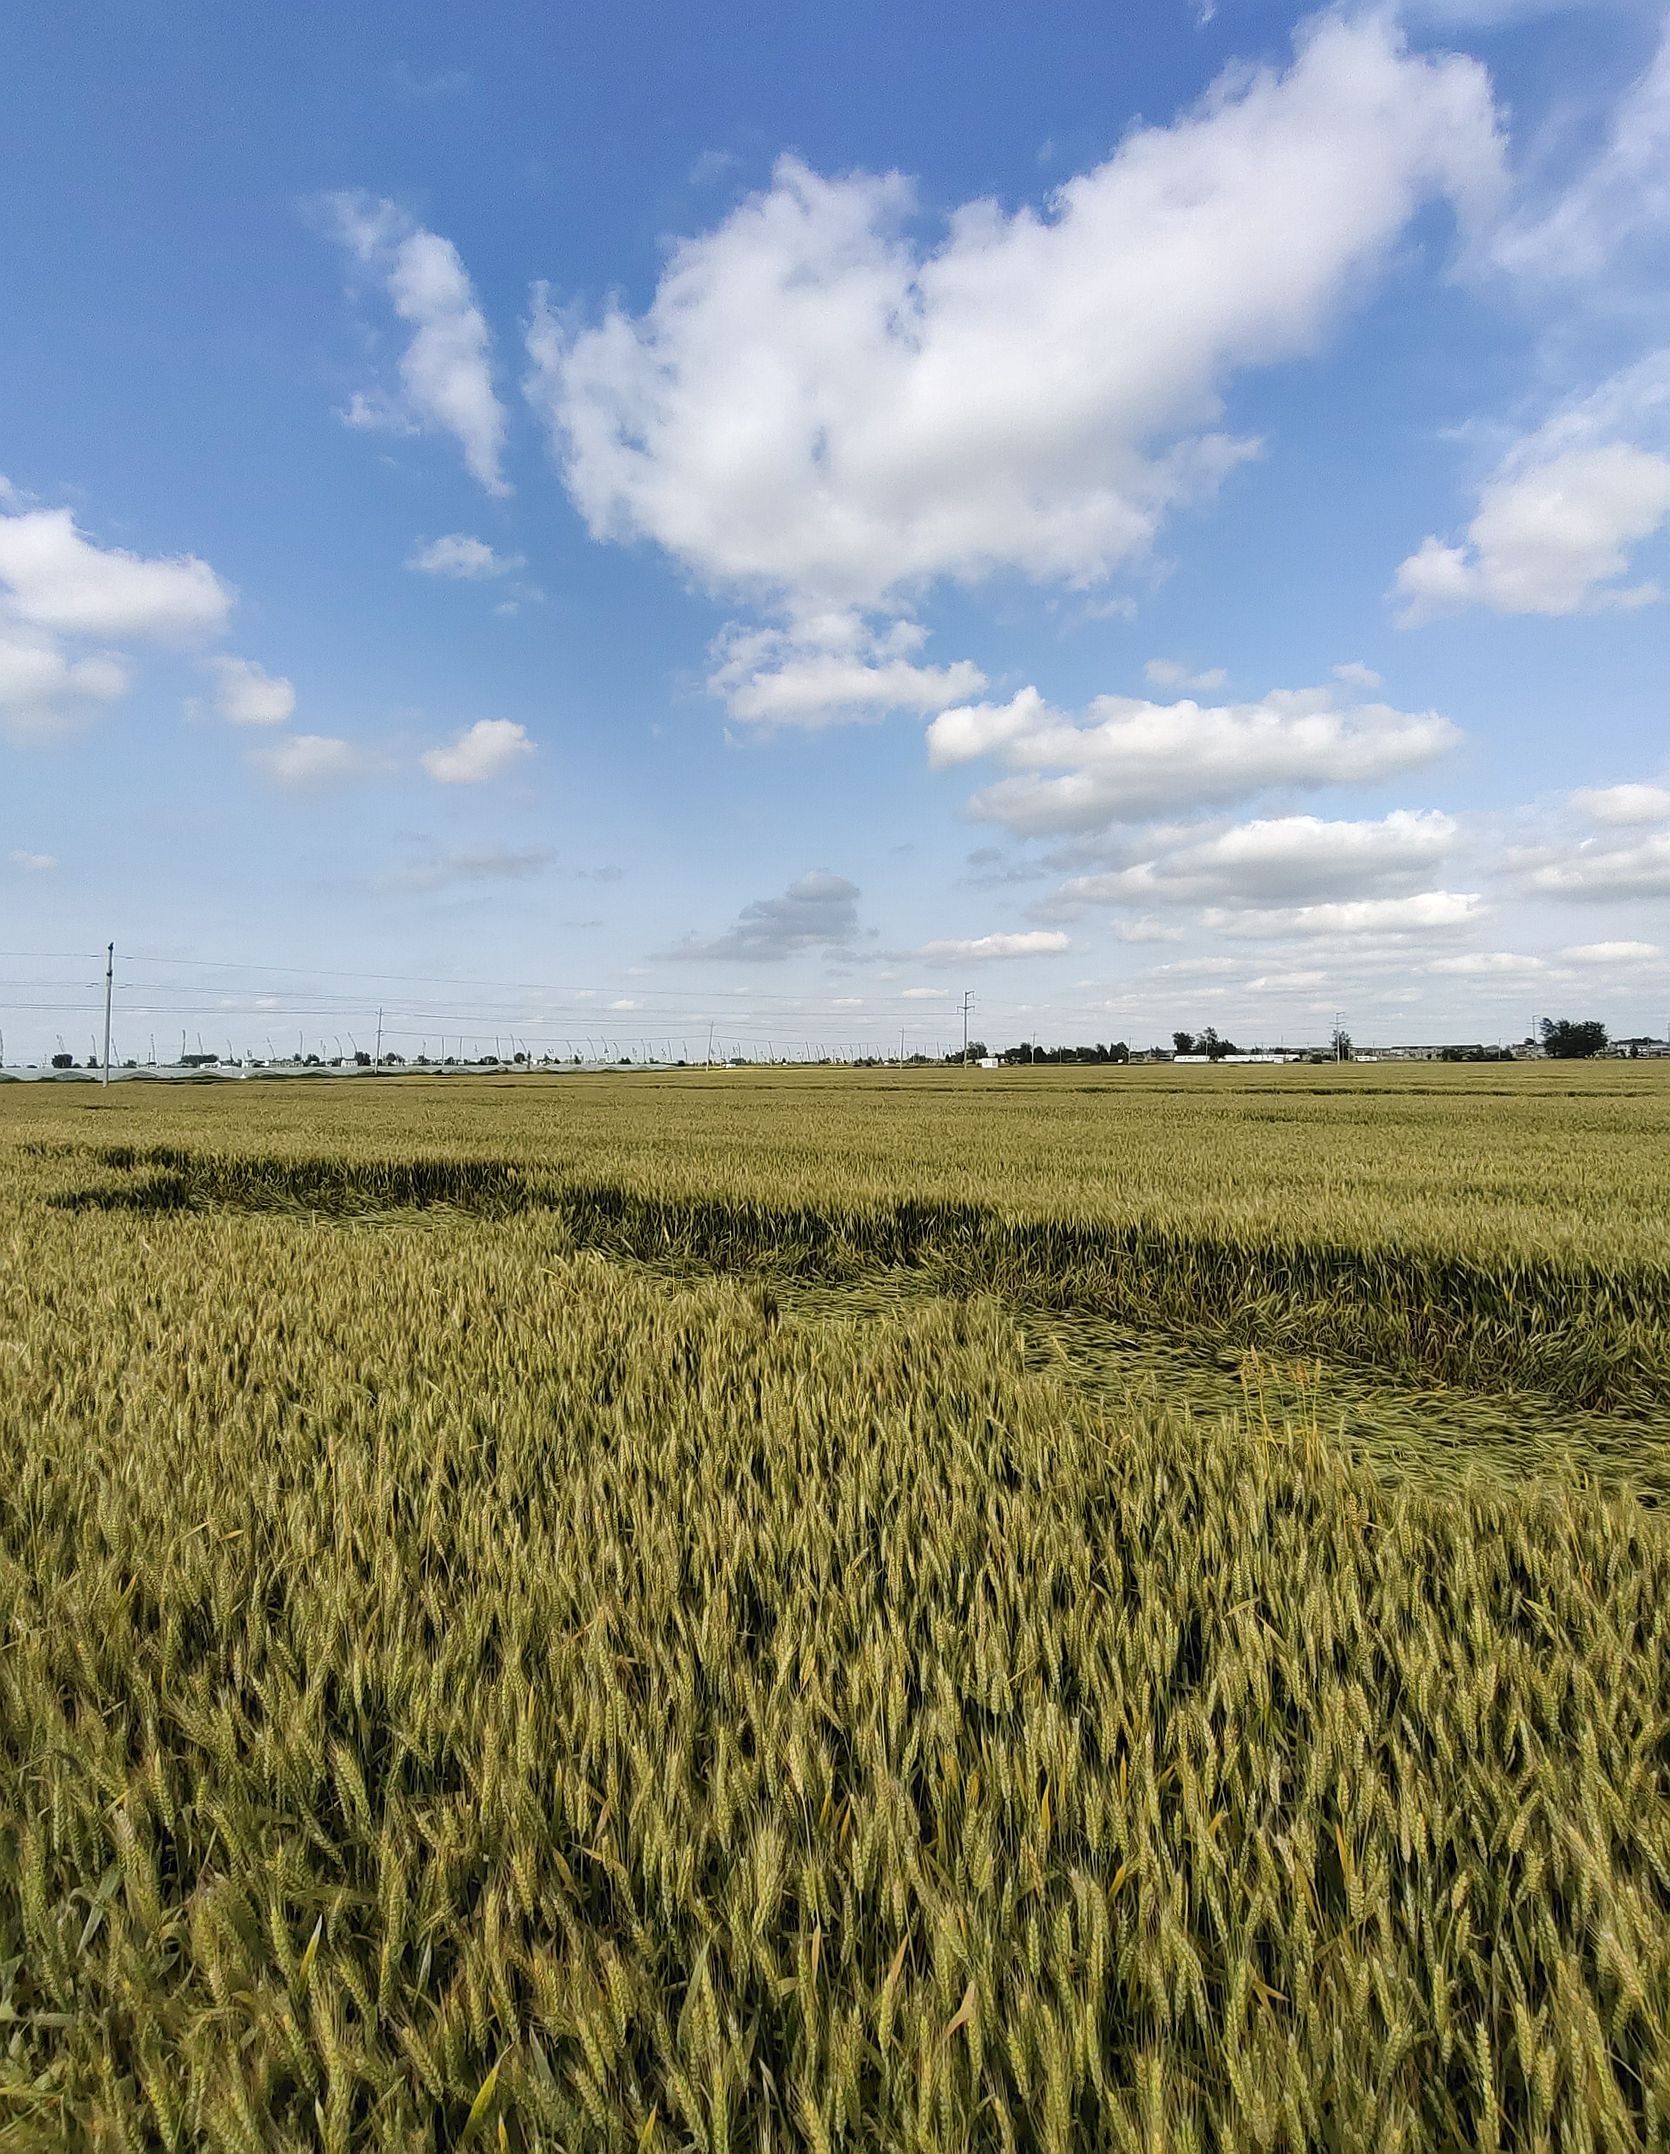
(63, 1062)
(1340, 1046)
(1119, 1052)
(1572, 1039)
(1183, 1043)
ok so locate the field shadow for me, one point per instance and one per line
(1568, 1332)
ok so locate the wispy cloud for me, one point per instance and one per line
(311, 762)
(446, 369)
(441, 870)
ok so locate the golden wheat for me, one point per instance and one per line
(489, 1654)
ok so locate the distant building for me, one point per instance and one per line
(1446, 1050)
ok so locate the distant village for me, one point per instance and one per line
(1557, 1039)
(1562, 1039)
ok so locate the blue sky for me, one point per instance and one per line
(586, 523)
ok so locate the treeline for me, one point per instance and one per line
(1026, 1051)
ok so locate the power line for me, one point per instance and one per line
(437, 979)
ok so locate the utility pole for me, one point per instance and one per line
(968, 1004)
(377, 1062)
(109, 983)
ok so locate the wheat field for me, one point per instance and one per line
(748, 1610)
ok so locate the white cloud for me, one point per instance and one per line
(32, 863)
(832, 669)
(1356, 675)
(1292, 858)
(817, 911)
(1558, 523)
(1612, 953)
(924, 994)
(1427, 909)
(306, 761)
(1199, 968)
(469, 560)
(817, 406)
(57, 586)
(1169, 673)
(1286, 982)
(446, 370)
(53, 577)
(1033, 942)
(480, 752)
(43, 692)
(1566, 507)
(1487, 964)
(1550, 536)
(246, 694)
(1145, 930)
(1133, 759)
(1624, 804)
(1599, 870)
